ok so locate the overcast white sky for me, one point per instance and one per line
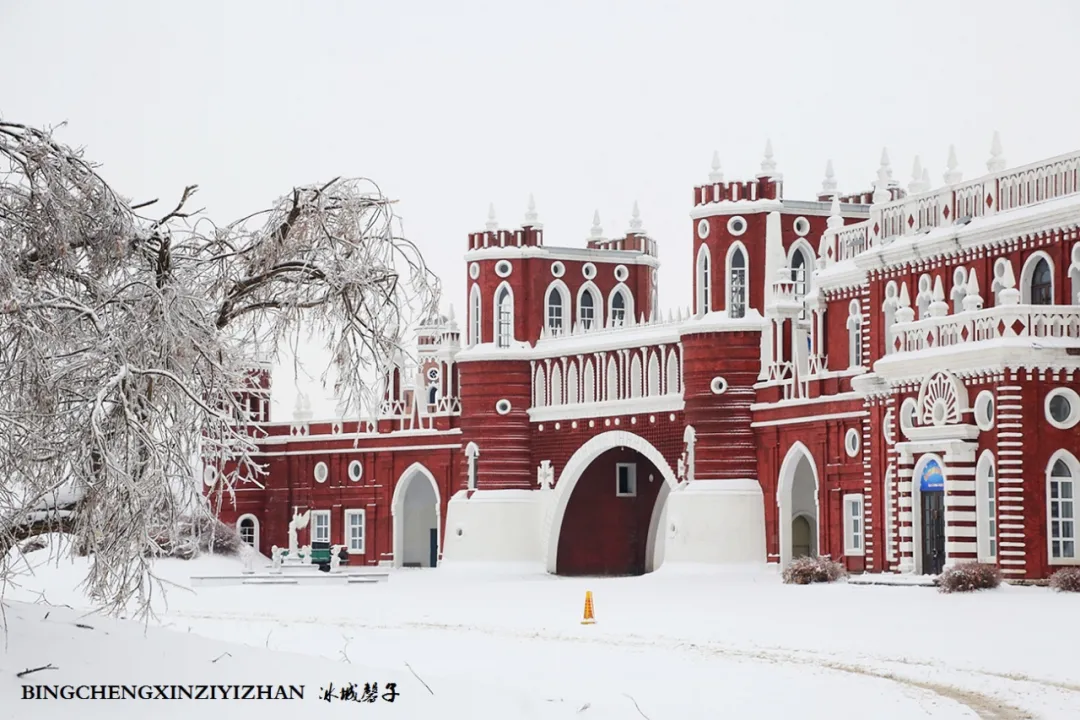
(587, 104)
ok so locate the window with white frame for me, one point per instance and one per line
(587, 310)
(986, 497)
(618, 309)
(355, 530)
(625, 479)
(853, 524)
(704, 298)
(555, 311)
(737, 284)
(1039, 288)
(474, 314)
(800, 275)
(854, 324)
(504, 330)
(248, 529)
(320, 526)
(1061, 507)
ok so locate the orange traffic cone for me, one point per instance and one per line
(589, 619)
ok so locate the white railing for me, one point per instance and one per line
(1009, 321)
(988, 195)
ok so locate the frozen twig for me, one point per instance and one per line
(419, 678)
(26, 672)
(636, 706)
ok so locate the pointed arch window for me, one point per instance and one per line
(504, 330)
(587, 310)
(1042, 283)
(704, 287)
(555, 310)
(854, 324)
(1061, 507)
(474, 315)
(618, 309)
(800, 275)
(737, 284)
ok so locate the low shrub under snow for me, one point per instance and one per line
(194, 537)
(806, 570)
(35, 543)
(1066, 580)
(969, 577)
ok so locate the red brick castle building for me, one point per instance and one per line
(888, 377)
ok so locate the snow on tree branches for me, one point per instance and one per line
(124, 340)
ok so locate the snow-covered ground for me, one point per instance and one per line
(488, 643)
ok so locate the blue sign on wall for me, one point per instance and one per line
(932, 479)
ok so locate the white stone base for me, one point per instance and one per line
(494, 526)
(715, 522)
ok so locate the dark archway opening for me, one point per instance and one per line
(606, 526)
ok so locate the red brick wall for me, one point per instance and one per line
(603, 534)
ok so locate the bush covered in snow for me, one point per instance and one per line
(968, 577)
(191, 538)
(1066, 580)
(806, 570)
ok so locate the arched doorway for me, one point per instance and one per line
(928, 502)
(415, 509)
(797, 501)
(606, 512)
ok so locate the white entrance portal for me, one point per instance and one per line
(415, 510)
(797, 500)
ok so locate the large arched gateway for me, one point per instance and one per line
(415, 508)
(797, 501)
(605, 514)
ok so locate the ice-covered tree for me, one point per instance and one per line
(124, 337)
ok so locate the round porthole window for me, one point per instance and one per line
(356, 471)
(736, 225)
(209, 475)
(321, 472)
(621, 273)
(718, 385)
(801, 226)
(474, 270)
(984, 410)
(1063, 408)
(703, 228)
(852, 442)
(433, 374)
(502, 407)
(588, 270)
(503, 268)
(557, 269)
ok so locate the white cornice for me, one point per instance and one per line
(735, 207)
(626, 257)
(986, 357)
(629, 406)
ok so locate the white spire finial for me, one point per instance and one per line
(836, 220)
(636, 226)
(884, 175)
(972, 300)
(717, 174)
(492, 223)
(996, 163)
(450, 314)
(828, 185)
(768, 165)
(916, 185)
(953, 174)
(597, 231)
(531, 216)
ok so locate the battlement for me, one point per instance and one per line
(762, 188)
(866, 197)
(633, 242)
(523, 237)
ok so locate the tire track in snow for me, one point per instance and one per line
(985, 706)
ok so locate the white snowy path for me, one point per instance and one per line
(678, 644)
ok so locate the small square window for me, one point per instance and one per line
(625, 480)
